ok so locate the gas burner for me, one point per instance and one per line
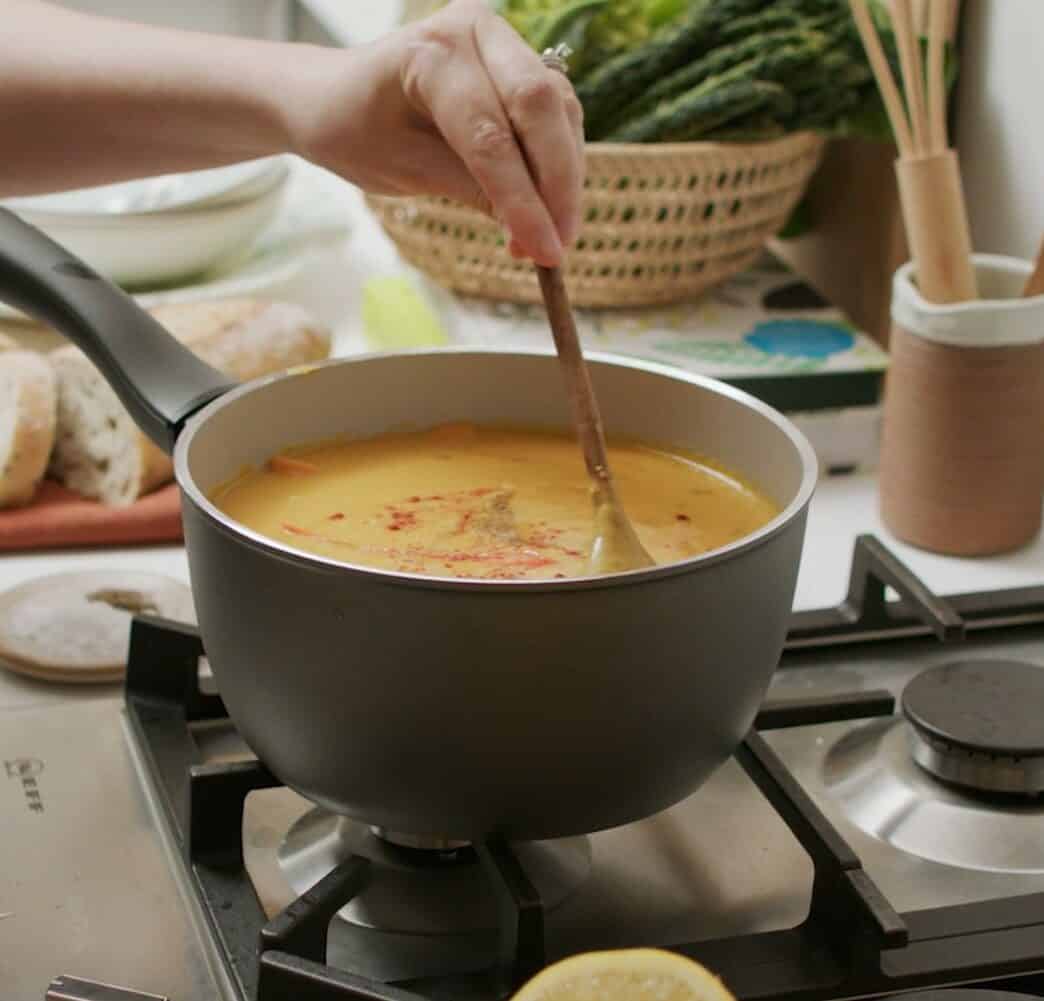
(439, 891)
(964, 994)
(978, 724)
(419, 842)
(422, 892)
(873, 776)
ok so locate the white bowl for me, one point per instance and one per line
(165, 193)
(153, 248)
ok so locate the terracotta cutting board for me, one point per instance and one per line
(60, 519)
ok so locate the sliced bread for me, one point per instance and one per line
(99, 451)
(27, 424)
(247, 338)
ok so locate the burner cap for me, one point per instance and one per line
(419, 842)
(979, 724)
(964, 994)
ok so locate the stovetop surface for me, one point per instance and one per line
(723, 862)
(92, 886)
(88, 886)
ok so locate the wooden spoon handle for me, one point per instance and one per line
(586, 414)
(578, 380)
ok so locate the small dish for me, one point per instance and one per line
(204, 222)
(263, 269)
(165, 193)
(316, 213)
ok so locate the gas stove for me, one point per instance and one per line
(880, 831)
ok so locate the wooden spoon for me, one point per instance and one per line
(616, 546)
(1035, 285)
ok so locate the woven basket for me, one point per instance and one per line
(662, 223)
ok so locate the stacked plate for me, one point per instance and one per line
(162, 231)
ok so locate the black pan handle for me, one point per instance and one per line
(160, 382)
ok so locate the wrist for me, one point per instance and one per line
(274, 95)
(323, 88)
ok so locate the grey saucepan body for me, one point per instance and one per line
(428, 706)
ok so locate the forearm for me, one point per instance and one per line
(456, 106)
(87, 100)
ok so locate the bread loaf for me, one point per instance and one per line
(99, 451)
(27, 423)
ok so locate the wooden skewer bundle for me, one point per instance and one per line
(1035, 282)
(934, 211)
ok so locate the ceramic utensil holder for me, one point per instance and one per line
(962, 448)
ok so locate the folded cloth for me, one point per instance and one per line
(59, 518)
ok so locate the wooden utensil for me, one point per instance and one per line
(1035, 284)
(615, 546)
(934, 212)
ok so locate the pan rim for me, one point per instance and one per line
(192, 493)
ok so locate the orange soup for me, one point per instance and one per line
(481, 502)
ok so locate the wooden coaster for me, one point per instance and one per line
(75, 627)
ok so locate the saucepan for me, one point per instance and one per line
(453, 708)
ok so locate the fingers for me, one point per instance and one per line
(513, 123)
(545, 115)
(434, 168)
(443, 73)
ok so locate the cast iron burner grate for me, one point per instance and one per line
(852, 944)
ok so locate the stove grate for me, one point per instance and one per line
(852, 944)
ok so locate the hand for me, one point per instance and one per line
(455, 105)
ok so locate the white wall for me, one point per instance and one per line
(326, 21)
(1000, 123)
(344, 22)
(255, 18)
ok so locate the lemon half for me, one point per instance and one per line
(625, 975)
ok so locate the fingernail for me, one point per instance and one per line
(572, 231)
(551, 250)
